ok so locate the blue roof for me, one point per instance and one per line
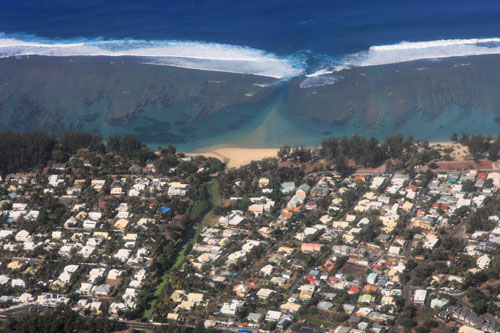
(165, 209)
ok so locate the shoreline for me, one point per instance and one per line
(236, 157)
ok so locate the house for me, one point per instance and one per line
(287, 187)
(310, 247)
(17, 283)
(23, 236)
(307, 291)
(85, 288)
(122, 255)
(263, 182)
(116, 191)
(255, 317)
(325, 306)
(430, 243)
(264, 293)
(64, 277)
(231, 309)
(87, 251)
(303, 190)
(121, 224)
(420, 296)
(366, 298)
(89, 224)
(267, 270)
(273, 315)
(102, 290)
(290, 307)
(173, 316)
(438, 303)
(195, 297)
(372, 278)
(353, 290)
(483, 261)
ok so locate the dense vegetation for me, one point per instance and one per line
(59, 320)
(34, 149)
(365, 152)
(480, 146)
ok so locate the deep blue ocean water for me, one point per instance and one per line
(332, 28)
(287, 38)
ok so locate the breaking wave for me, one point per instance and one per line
(410, 51)
(185, 54)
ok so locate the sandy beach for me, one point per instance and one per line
(459, 153)
(236, 157)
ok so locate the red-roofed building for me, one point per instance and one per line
(311, 247)
(310, 279)
(413, 187)
(311, 205)
(333, 279)
(329, 265)
(353, 290)
(359, 178)
(482, 175)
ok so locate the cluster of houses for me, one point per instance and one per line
(469, 318)
(329, 249)
(97, 243)
(348, 259)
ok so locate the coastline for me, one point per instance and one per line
(236, 157)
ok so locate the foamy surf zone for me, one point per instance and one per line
(403, 52)
(185, 54)
(411, 51)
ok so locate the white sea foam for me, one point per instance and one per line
(186, 54)
(410, 51)
(319, 80)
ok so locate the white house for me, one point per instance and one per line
(23, 236)
(483, 261)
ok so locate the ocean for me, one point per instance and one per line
(250, 74)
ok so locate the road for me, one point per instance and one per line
(406, 290)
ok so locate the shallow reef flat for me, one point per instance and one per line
(387, 97)
(193, 109)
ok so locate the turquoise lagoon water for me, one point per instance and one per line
(194, 109)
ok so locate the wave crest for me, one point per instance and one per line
(410, 51)
(185, 54)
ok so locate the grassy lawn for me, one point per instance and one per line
(199, 207)
(215, 200)
(319, 322)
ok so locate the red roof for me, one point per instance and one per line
(435, 205)
(310, 279)
(353, 290)
(329, 265)
(413, 187)
(482, 175)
